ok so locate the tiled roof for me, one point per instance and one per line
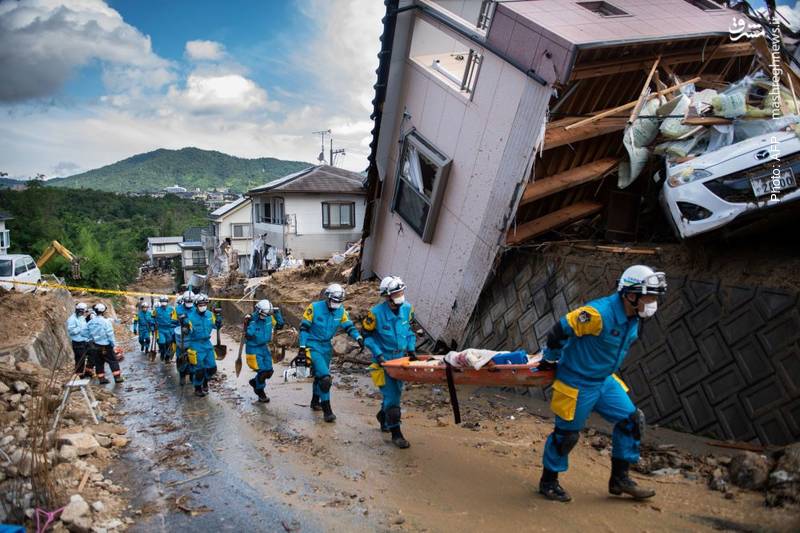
(319, 179)
(228, 207)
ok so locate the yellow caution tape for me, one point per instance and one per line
(47, 285)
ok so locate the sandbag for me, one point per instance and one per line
(673, 126)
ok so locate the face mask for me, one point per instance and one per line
(202, 308)
(649, 310)
(399, 300)
(188, 304)
(334, 305)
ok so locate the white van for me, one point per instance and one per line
(18, 267)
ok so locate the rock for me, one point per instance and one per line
(790, 460)
(68, 453)
(14, 399)
(3, 388)
(102, 453)
(665, 472)
(82, 524)
(76, 508)
(98, 529)
(102, 440)
(717, 481)
(106, 428)
(112, 524)
(749, 471)
(84, 443)
(784, 481)
(98, 506)
(119, 442)
(5, 441)
(399, 520)
(599, 442)
(21, 434)
(20, 386)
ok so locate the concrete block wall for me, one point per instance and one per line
(719, 359)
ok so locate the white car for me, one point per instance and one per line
(741, 182)
(18, 267)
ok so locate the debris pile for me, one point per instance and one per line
(47, 469)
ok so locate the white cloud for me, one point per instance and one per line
(205, 50)
(228, 93)
(217, 105)
(44, 41)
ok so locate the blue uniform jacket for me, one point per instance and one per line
(599, 335)
(259, 331)
(202, 326)
(388, 334)
(319, 324)
(77, 328)
(163, 317)
(143, 318)
(101, 331)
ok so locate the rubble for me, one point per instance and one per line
(749, 471)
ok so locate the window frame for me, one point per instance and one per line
(326, 209)
(20, 264)
(245, 232)
(5, 239)
(271, 203)
(443, 163)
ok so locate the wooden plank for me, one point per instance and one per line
(607, 67)
(550, 221)
(645, 88)
(625, 107)
(571, 178)
(618, 249)
(556, 135)
(706, 121)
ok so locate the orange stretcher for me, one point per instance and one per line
(491, 375)
(427, 369)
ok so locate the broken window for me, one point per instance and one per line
(338, 215)
(421, 179)
(452, 61)
(604, 9)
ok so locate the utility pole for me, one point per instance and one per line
(333, 152)
(322, 134)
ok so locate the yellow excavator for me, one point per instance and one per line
(58, 248)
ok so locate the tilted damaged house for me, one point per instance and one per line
(498, 123)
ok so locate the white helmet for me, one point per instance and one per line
(201, 299)
(80, 306)
(100, 308)
(334, 293)
(164, 299)
(391, 285)
(188, 299)
(145, 305)
(264, 308)
(641, 279)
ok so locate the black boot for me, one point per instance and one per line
(621, 483)
(198, 391)
(315, 405)
(262, 397)
(551, 489)
(326, 409)
(381, 416)
(398, 439)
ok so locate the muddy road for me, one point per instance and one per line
(226, 463)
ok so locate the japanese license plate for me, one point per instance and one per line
(766, 185)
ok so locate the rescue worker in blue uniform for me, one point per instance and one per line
(78, 331)
(165, 326)
(321, 320)
(587, 347)
(102, 333)
(260, 327)
(389, 335)
(143, 324)
(184, 306)
(198, 328)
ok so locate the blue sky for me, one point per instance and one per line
(95, 81)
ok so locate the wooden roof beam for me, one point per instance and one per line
(573, 177)
(607, 67)
(551, 221)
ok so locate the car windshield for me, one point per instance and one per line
(5, 267)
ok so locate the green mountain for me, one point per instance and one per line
(8, 182)
(188, 167)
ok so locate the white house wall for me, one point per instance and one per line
(311, 240)
(240, 215)
(490, 160)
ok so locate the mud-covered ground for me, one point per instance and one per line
(226, 463)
